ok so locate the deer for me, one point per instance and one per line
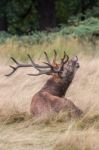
(51, 97)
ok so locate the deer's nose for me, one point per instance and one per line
(77, 65)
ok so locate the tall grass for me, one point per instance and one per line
(67, 37)
(18, 129)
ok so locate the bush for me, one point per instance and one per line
(84, 29)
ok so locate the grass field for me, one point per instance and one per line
(18, 130)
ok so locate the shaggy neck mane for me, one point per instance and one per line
(56, 87)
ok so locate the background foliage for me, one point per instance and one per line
(22, 17)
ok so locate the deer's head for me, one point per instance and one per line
(63, 70)
(70, 68)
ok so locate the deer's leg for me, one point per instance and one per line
(72, 109)
(62, 104)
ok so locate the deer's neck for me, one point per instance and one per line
(56, 87)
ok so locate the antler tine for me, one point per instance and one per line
(54, 60)
(55, 53)
(36, 65)
(13, 70)
(34, 74)
(63, 61)
(64, 57)
(41, 72)
(50, 66)
(18, 65)
(47, 58)
(33, 64)
(67, 58)
(15, 60)
(31, 60)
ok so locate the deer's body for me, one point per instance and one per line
(51, 98)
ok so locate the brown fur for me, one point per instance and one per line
(45, 103)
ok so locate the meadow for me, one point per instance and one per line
(18, 129)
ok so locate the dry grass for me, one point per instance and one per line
(78, 140)
(19, 131)
(19, 49)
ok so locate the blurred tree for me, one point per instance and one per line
(22, 16)
(3, 17)
(65, 9)
(18, 16)
(85, 6)
(46, 13)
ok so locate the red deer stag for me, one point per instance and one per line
(51, 97)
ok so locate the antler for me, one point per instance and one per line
(48, 69)
(19, 65)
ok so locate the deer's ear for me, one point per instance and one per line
(75, 58)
